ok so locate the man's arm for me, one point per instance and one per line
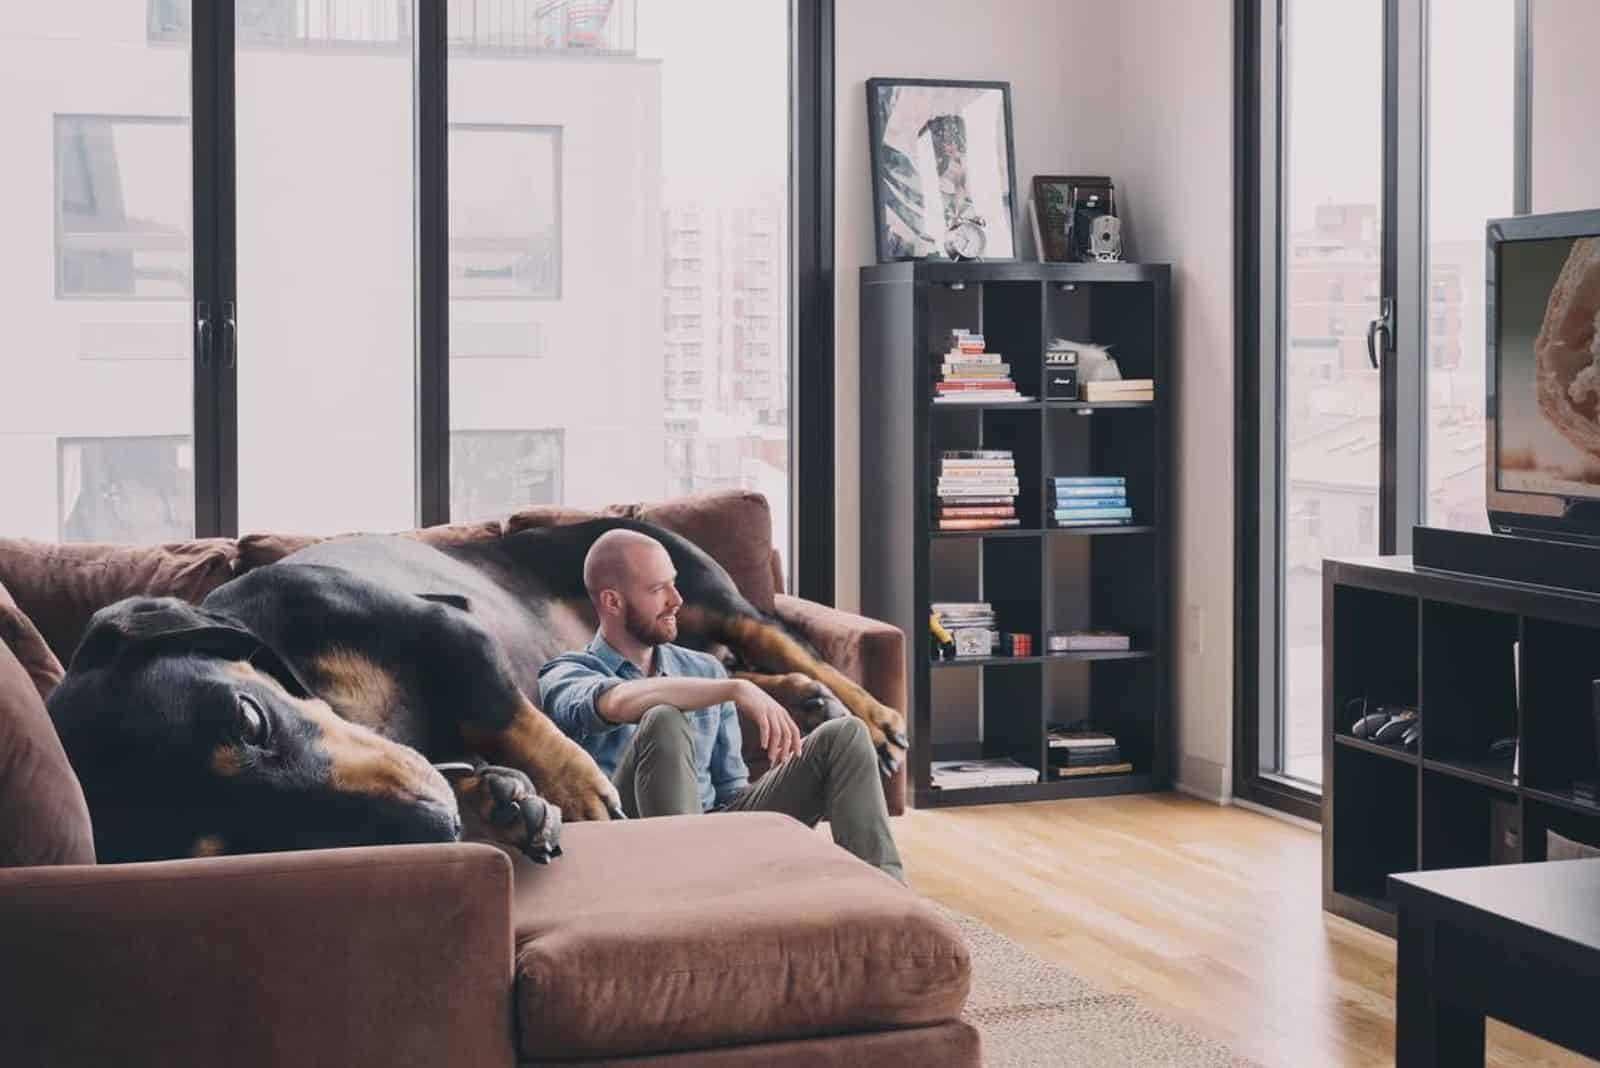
(627, 702)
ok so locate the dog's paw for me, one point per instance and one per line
(500, 805)
(581, 789)
(888, 730)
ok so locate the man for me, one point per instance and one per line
(662, 720)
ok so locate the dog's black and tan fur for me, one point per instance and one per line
(303, 704)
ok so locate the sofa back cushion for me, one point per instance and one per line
(733, 526)
(60, 586)
(28, 645)
(43, 816)
(259, 550)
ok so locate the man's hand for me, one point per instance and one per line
(780, 735)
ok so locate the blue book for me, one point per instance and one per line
(1094, 513)
(1091, 491)
(1094, 522)
(1091, 502)
(1090, 480)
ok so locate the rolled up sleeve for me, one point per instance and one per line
(569, 687)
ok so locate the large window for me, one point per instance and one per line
(627, 184)
(291, 275)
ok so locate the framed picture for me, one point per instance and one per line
(943, 178)
(1053, 209)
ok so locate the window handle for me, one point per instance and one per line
(1383, 324)
(230, 336)
(202, 333)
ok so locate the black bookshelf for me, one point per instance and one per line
(1443, 643)
(1039, 578)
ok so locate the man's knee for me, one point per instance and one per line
(665, 726)
(847, 736)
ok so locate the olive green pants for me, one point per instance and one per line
(834, 777)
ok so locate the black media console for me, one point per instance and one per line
(1458, 648)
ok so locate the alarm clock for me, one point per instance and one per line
(966, 239)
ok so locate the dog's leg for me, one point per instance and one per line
(768, 647)
(563, 772)
(808, 701)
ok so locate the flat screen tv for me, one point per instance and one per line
(1543, 376)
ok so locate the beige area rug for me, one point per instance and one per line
(1031, 1013)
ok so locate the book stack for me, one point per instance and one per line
(976, 489)
(1085, 641)
(1094, 501)
(970, 624)
(1076, 751)
(994, 771)
(1120, 389)
(970, 375)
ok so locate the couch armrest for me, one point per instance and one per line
(397, 955)
(869, 651)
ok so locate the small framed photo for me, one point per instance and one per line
(1092, 196)
(943, 177)
(1052, 216)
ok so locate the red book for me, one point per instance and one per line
(978, 524)
(985, 512)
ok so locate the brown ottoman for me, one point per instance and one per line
(691, 932)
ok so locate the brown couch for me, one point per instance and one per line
(728, 940)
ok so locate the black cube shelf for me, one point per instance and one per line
(1444, 643)
(1039, 578)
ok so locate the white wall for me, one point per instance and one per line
(1148, 101)
(1174, 173)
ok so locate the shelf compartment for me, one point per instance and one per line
(1104, 584)
(1544, 811)
(1115, 696)
(1468, 690)
(1373, 820)
(1374, 653)
(966, 427)
(1116, 441)
(1560, 663)
(1465, 823)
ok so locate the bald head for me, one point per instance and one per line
(616, 557)
(630, 579)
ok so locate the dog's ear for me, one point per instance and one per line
(151, 625)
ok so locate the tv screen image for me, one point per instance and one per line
(1548, 310)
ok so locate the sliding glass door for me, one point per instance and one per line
(1383, 134)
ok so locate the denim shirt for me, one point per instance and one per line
(571, 684)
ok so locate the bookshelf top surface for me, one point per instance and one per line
(1013, 271)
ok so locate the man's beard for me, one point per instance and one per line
(649, 630)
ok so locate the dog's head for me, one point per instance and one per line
(192, 737)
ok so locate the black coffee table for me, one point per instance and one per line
(1519, 942)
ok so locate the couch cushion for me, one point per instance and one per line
(28, 645)
(259, 550)
(61, 586)
(733, 526)
(692, 931)
(43, 816)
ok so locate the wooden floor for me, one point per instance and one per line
(1209, 915)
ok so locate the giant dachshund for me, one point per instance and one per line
(376, 689)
